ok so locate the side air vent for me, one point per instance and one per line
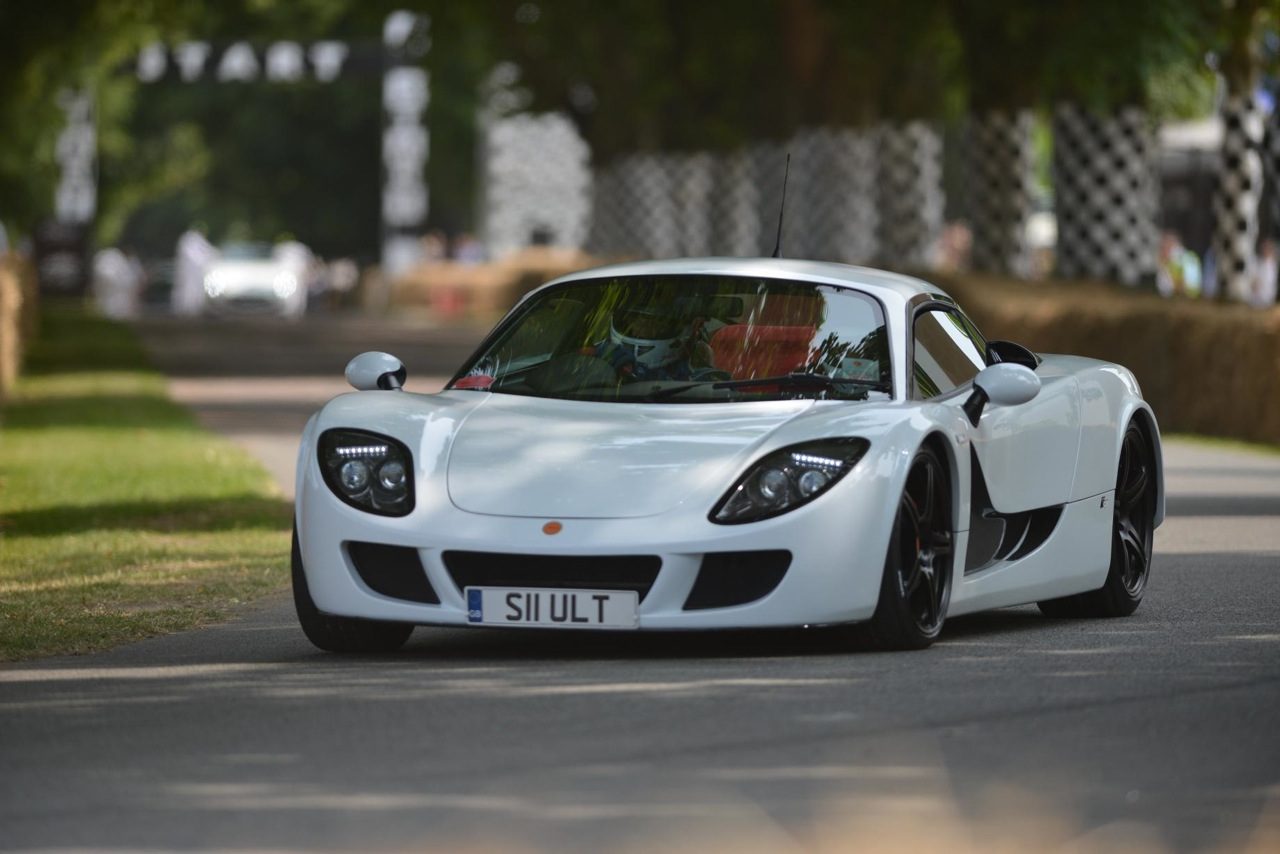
(736, 578)
(1000, 537)
(394, 571)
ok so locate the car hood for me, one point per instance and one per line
(517, 456)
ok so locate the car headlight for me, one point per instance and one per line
(284, 284)
(214, 284)
(368, 471)
(788, 478)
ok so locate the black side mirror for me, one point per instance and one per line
(1007, 351)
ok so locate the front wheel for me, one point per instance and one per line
(1132, 536)
(916, 588)
(340, 634)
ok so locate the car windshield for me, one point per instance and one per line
(244, 251)
(687, 339)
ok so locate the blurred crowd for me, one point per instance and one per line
(1181, 271)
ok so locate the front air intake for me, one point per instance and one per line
(736, 578)
(394, 571)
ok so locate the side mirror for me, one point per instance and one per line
(373, 370)
(1004, 384)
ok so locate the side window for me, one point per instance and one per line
(946, 354)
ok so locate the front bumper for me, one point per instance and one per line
(837, 545)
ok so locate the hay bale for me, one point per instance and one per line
(484, 291)
(10, 328)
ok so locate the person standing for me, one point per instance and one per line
(1263, 292)
(191, 259)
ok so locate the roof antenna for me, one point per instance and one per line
(777, 247)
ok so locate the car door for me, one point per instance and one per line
(1028, 452)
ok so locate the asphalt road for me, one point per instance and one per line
(1015, 732)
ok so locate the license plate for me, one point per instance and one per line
(563, 609)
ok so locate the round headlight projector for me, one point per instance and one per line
(354, 476)
(812, 481)
(391, 475)
(772, 484)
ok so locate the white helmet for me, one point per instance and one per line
(650, 336)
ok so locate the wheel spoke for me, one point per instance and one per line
(938, 541)
(1133, 552)
(927, 500)
(906, 536)
(931, 603)
(911, 583)
(1134, 486)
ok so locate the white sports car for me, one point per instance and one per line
(256, 278)
(726, 443)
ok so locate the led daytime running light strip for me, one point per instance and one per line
(816, 461)
(363, 451)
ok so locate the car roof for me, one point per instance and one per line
(879, 283)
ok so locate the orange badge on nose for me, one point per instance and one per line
(552, 528)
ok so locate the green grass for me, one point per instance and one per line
(120, 517)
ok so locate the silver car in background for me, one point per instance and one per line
(258, 278)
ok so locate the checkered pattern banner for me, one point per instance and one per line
(908, 193)
(1106, 194)
(536, 178)
(999, 161)
(1235, 207)
(727, 204)
(735, 204)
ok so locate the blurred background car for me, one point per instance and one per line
(257, 278)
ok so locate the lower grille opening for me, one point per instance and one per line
(585, 572)
(394, 571)
(736, 578)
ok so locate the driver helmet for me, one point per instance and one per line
(650, 336)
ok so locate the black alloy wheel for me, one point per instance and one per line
(1132, 536)
(1133, 528)
(916, 588)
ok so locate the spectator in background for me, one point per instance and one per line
(435, 247)
(468, 250)
(117, 282)
(1209, 275)
(1177, 268)
(1263, 292)
(192, 258)
(296, 257)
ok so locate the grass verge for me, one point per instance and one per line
(120, 517)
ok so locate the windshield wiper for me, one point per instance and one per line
(797, 379)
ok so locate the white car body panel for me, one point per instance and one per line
(491, 469)
(578, 460)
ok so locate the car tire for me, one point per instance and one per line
(915, 589)
(340, 634)
(1132, 535)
